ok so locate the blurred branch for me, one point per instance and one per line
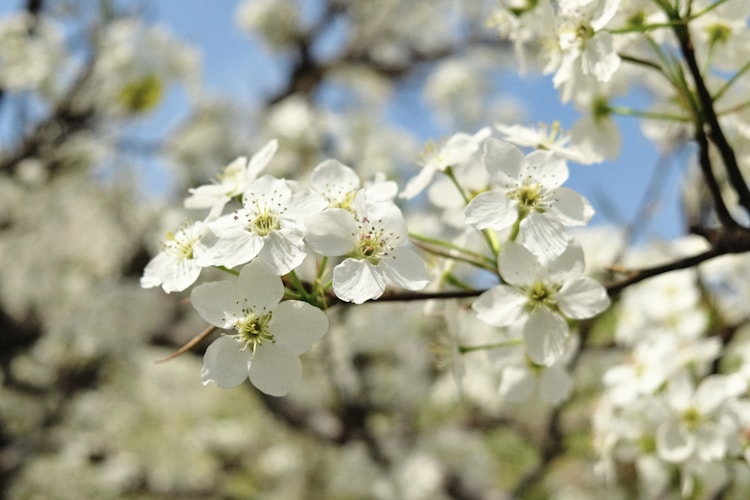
(66, 120)
(707, 111)
(723, 241)
(308, 73)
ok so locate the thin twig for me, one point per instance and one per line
(189, 345)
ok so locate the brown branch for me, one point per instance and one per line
(704, 160)
(716, 133)
(723, 241)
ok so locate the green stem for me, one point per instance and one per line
(454, 180)
(463, 349)
(623, 111)
(228, 270)
(719, 93)
(299, 287)
(516, 228)
(322, 268)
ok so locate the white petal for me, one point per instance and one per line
(207, 196)
(173, 274)
(331, 232)
(606, 13)
(544, 236)
(500, 306)
(517, 265)
(567, 266)
(301, 206)
(224, 363)
(545, 333)
(599, 57)
(503, 161)
(357, 281)
(491, 210)
(673, 442)
(298, 324)
(417, 183)
(715, 389)
(260, 286)
(582, 298)
(267, 188)
(260, 160)
(281, 253)
(332, 178)
(386, 215)
(405, 269)
(275, 369)
(570, 208)
(234, 248)
(547, 168)
(216, 302)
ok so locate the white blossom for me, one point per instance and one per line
(373, 240)
(539, 295)
(270, 335)
(528, 190)
(269, 226)
(232, 181)
(179, 263)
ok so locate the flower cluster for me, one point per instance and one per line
(274, 228)
(663, 410)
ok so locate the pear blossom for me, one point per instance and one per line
(269, 226)
(437, 158)
(179, 263)
(587, 47)
(528, 189)
(701, 425)
(372, 238)
(339, 185)
(550, 138)
(232, 182)
(270, 335)
(539, 296)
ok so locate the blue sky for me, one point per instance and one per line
(234, 64)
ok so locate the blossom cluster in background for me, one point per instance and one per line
(438, 318)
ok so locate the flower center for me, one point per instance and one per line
(252, 330)
(529, 197)
(691, 418)
(541, 294)
(232, 176)
(373, 243)
(180, 244)
(346, 201)
(265, 223)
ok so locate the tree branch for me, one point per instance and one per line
(716, 133)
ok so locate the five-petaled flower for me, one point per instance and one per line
(528, 192)
(372, 238)
(269, 226)
(232, 182)
(539, 294)
(269, 335)
(179, 263)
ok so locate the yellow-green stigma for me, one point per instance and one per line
(265, 223)
(179, 244)
(528, 197)
(692, 418)
(346, 202)
(373, 243)
(541, 294)
(252, 330)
